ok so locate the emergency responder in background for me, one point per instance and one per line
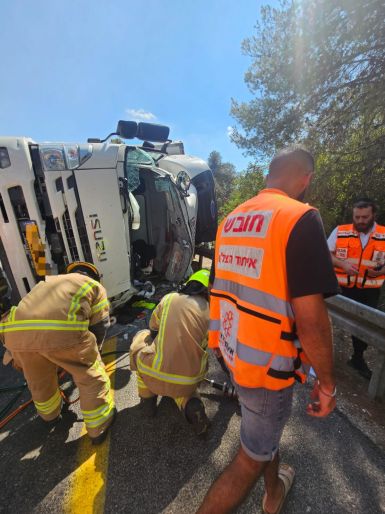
(267, 310)
(60, 323)
(171, 358)
(358, 255)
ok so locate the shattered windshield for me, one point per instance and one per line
(135, 158)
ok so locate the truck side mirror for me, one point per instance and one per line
(153, 132)
(127, 129)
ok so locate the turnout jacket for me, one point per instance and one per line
(251, 317)
(176, 361)
(349, 247)
(55, 314)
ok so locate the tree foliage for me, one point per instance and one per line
(246, 185)
(318, 76)
(224, 175)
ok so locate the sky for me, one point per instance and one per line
(70, 70)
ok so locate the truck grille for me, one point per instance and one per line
(82, 231)
(69, 233)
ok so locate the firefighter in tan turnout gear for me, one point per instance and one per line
(60, 323)
(171, 358)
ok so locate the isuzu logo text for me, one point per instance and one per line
(100, 246)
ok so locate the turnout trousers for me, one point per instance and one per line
(149, 387)
(84, 363)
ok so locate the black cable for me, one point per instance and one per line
(13, 388)
(11, 402)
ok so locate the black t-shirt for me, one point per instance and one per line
(309, 265)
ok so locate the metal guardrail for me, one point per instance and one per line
(359, 320)
(367, 324)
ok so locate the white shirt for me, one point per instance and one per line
(332, 240)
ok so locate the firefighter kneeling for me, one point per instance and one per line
(171, 358)
(58, 324)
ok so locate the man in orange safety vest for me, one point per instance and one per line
(358, 255)
(269, 321)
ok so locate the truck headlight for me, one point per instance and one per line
(183, 182)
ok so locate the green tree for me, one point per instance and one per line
(343, 178)
(246, 185)
(224, 175)
(318, 71)
(318, 76)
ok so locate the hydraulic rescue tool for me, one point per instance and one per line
(227, 388)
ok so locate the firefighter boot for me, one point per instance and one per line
(196, 415)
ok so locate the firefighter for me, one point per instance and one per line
(60, 323)
(171, 358)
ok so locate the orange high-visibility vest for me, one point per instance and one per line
(251, 317)
(349, 247)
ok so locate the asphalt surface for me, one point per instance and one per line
(159, 465)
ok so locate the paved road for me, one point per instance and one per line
(158, 465)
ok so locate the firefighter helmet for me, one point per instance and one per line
(197, 283)
(86, 268)
(201, 276)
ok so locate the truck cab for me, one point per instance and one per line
(129, 209)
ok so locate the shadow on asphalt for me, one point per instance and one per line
(35, 459)
(152, 459)
(159, 465)
(33, 462)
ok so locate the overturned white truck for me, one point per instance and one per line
(123, 207)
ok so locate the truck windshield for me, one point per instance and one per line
(135, 158)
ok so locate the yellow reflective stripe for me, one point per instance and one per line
(63, 322)
(203, 363)
(155, 316)
(204, 342)
(12, 314)
(140, 381)
(20, 329)
(168, 377)
(81, 293)
(160, 340)
(39, 324)
(94, 413)
(99, 306)
(50, 405)
(95, 418)
(97, 365)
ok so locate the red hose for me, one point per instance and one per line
(14, 413)
(24, 405)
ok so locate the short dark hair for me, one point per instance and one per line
(297, 152)
(364, 203)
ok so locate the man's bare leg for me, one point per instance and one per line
(273, 485)
(236, 481)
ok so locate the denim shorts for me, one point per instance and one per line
(264, 415)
